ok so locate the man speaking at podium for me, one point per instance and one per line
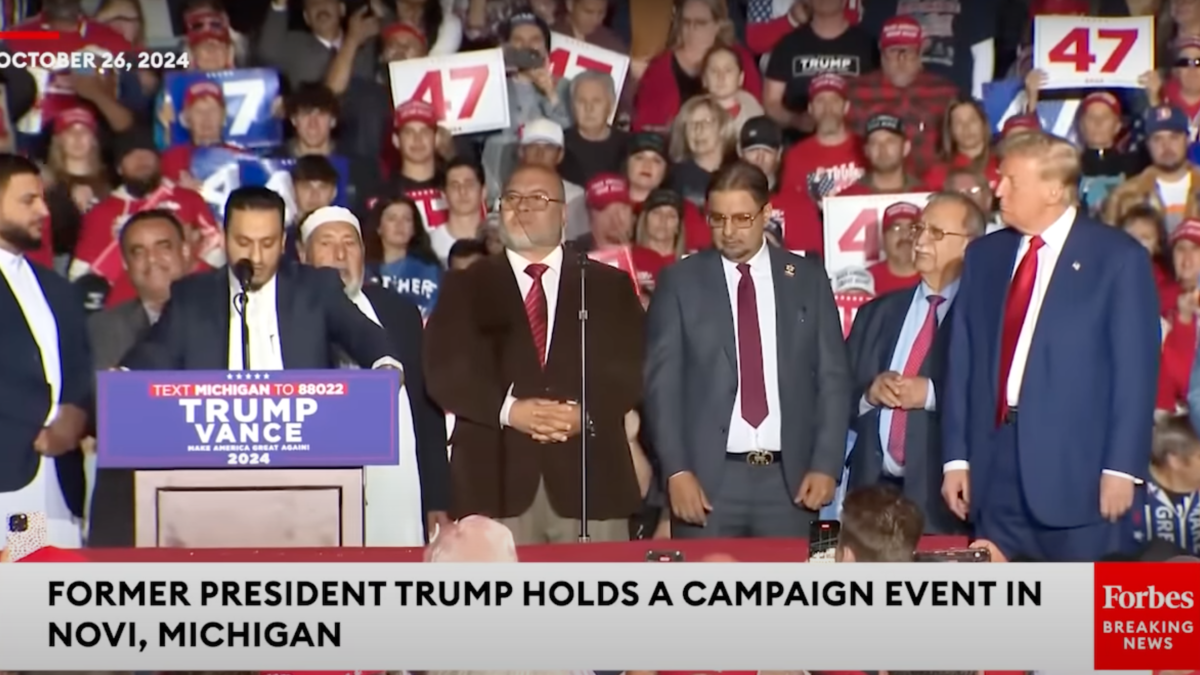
(299, 318)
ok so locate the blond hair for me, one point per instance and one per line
(720, 13)
(1058, 157)
(679, 150)
(473, 539)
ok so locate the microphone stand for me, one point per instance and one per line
(239, 301)
(585, 420)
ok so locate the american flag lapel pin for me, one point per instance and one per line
(1075, 265)
(789, 270)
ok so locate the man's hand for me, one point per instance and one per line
(885, 390)
(91, 87)
(4, 555)
(64, 433)
(816, 490)
(569, 418)
(914, 392)
(688, 502)
(541, 418)
(956, 490)
(1116, 496)
(543, 79)
(362, 26)
(1152, 83)
(994, 552)
(436, 521)
(799, 12)
(187, 180)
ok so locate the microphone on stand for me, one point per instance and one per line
(243, 271)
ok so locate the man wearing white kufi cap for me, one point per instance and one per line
(396, 495)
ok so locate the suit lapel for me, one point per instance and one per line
(894, 315)
(998, 298)
(1066, 283)
(285, 313)
(788, 306)
(220, 305)
(566, 311)
(510, 311)
(721, 313)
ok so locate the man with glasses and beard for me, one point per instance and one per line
(98, 251)
(45, 368)
(502, 353)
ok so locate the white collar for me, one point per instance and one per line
(266, 289)
(519, 262)
(1055, 236)
(761, 259)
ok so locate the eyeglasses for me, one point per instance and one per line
(513, 201)
(935, 233)
(740, 221)
(1187, 63)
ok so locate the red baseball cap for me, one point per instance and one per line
(415, 110)
(203, 89)
(1189, 229)
(205, 24)
(73, 116)
(1021, 122)
(900, 31)
(898, 212)
(1058, 7)
(400, 28)
(1107, 99)
(607, 189)
(827, 82)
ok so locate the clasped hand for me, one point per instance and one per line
(893, 390)
(545, 420)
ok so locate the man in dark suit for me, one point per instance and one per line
(898, 355)
(747, 380)
(503, 355)
(45, 368)
(332, 237)
(1048, 409)
(296, 316)
(295, 312)
(156, 254)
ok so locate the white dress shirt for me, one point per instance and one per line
(1054, 238)
(550, 279)
(744, 438)
(263, 320)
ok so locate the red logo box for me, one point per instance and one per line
(1147, 616)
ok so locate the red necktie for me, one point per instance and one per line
(916, 357)
(537, 310)
(1016, 306)
(750, 360)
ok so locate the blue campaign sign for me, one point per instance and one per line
(266, 419)
(249, 95)
(222, 170)
(1003, 99)
(218, 171)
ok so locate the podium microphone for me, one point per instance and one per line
(243, 271)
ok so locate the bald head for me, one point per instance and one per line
(473, 539)
(535, 176)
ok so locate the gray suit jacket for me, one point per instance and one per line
(299, 55)
(114, 331)
(691, 374)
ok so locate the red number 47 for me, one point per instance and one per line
(1075, 48)
(430, 87)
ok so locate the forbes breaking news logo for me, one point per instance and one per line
(1142, 625)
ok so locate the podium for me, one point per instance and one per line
(248, 458)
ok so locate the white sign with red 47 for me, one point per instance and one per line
(569, 57)
(468, 90)
(1085, 51)
(852, 233)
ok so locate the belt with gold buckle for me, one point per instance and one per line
(755, 457)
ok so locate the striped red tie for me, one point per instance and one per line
(536, 310)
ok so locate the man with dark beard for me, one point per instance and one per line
(98, 252)
(45, 368)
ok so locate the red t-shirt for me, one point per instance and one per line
(98, 250)
(812, 168)
(1178, 354)
(648, 264)
(862, 187)
(54, 92)
(887, 281)
(937, 175)
(1168, 289)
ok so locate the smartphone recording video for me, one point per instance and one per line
(664, 556)
(823, 540)
(26, 534)
(955, 555)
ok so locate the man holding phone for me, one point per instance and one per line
(533, 93)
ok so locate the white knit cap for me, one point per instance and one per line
(327, 214)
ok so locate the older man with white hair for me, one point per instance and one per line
(420, 484)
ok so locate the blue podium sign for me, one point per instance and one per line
(240, 419)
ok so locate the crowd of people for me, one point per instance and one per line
(1023, 375)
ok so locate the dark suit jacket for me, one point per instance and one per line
(872, 343)
(1087, 395)
(311, 306)
(314, 314)
(402, 321)
(478, 342)
(25, 394)
(114, 331)
(299, 55)
(692, 374)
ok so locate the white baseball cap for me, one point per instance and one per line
(542, 131)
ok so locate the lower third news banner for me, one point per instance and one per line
(330, 616)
